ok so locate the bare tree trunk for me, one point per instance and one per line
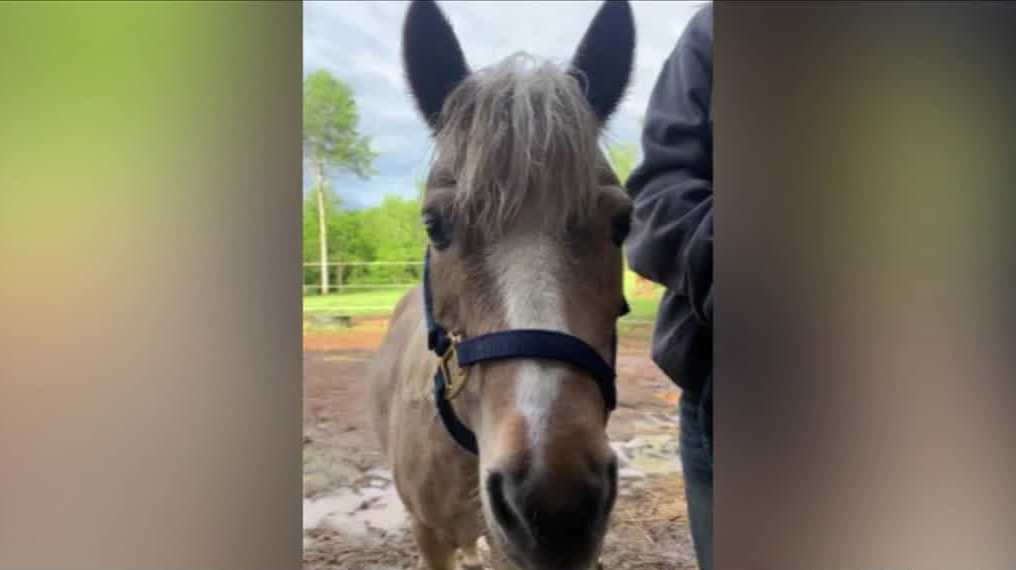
(319, 171)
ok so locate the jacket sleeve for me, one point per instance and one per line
(671, 241)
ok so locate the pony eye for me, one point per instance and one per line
(620, 227)
(438, 230)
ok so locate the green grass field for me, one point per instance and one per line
(355, 302)
(381, 301)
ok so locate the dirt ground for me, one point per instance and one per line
(354, 520)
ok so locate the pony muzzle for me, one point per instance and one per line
(548, 474)
(552, 521)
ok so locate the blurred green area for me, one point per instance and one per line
(126, 144)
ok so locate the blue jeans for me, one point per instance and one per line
(697, 463)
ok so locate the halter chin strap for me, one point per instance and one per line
(458, 354)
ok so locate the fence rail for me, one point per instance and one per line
(363, 272)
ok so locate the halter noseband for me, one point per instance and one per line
(457, 354)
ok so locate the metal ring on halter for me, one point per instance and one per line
(455, 375)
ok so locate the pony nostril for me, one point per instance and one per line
(555, 518)
(499, 503)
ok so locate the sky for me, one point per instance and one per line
(359, 42)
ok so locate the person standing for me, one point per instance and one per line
(671, 243)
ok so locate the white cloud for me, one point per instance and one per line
(360, 43)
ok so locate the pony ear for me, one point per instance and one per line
(433, 60)
(603, 61)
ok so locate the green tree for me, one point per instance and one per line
(331, 141)
(311, 233)
(354, 242)
(311, 238)
(397, 235)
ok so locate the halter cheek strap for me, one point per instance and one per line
(457, 355)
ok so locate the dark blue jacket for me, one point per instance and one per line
(671, 241)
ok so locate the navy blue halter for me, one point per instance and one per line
(516, 343)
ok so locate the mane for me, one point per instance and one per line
(520, 133)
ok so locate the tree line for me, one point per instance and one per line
(388, 232)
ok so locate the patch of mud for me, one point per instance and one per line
(648, 455)
(356, 511)
(649, 528)
(326, 548)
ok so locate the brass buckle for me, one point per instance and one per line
(455, 376)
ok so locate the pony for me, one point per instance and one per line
(525, 221)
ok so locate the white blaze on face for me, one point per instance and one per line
(528, 273)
